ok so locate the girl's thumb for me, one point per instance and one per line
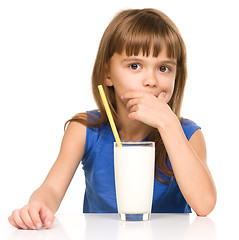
(47, 223)
(161, 95)
(48, 218)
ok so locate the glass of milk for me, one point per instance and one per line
(134, 179)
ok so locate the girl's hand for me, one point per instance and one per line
(149, 109)
(32, 216)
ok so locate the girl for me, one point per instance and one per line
(141, 63)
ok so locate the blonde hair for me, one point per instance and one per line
(135, 31)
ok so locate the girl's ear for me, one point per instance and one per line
(108, 80)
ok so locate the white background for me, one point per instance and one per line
(47, 52)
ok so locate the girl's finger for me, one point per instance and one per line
(12, 222)
(35, 216)
(133, 109)
(132, 102)
(130, 95)
(18, 220)
(25, 216)
(47, 217)
(161, 96)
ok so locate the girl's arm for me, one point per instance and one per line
(188, 160)
(45, 201)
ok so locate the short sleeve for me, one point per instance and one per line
(189, 127)
(92, 135)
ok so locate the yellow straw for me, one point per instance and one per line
(108, 112)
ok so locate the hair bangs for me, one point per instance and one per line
(147, 35)
(144, 44)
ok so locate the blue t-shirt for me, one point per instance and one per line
(98, 166)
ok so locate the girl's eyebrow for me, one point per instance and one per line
(131, 59)
(173, 62)
(134, 59)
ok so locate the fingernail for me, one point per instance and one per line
(122, 97)
(48, 223)
(38, 225)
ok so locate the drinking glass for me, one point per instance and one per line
(134, 179)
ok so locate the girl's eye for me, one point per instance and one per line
(135, 66)
(163, 69)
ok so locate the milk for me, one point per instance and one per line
(134, 176)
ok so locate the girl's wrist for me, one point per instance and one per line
(171, 125)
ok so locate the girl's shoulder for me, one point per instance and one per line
(189, 127)
(98, 126)
(96, 135)
(92, 114)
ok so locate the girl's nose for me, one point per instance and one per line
(150, 80)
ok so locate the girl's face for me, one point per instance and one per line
(151, 75)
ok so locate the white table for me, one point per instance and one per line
(108, 226)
